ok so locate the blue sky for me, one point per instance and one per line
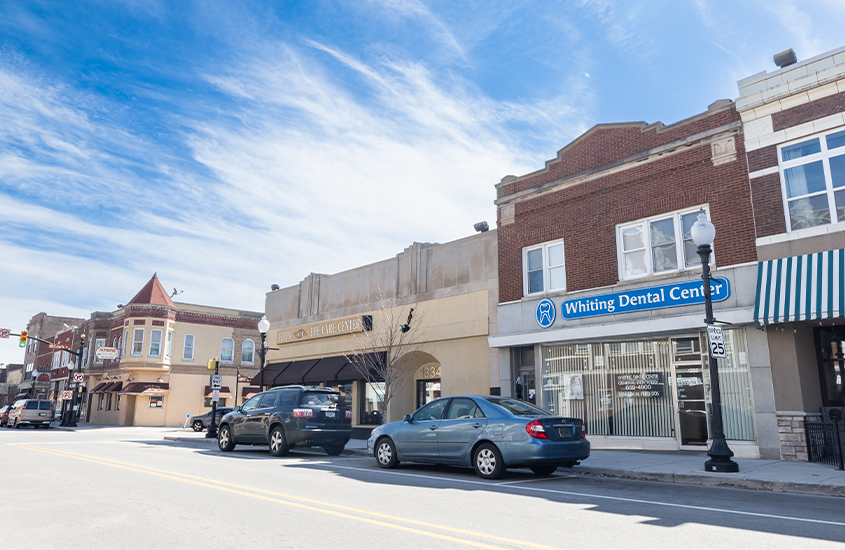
(231, 145)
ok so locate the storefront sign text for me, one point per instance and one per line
(658, 297)
(320, 330)
(649, 384)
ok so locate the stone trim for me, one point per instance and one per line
(792, 436)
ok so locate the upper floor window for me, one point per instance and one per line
(188, 350)
(123, 345)
(227, 350)
(98, 343)
(543, 269)
(248, 351)
(155, 342)
(138, 341)
(661, 244)
(169, 344)
(813, 179)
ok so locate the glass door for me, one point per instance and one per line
(427, 390)
(688, 375)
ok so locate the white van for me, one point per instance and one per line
(33, 412)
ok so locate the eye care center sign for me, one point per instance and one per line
(658, 297)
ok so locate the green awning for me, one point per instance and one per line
(801, 288)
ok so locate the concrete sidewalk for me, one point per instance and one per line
(668, 467)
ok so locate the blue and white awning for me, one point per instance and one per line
(801, 288)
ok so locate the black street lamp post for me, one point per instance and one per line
(73, 416)
(263, 327)
(703, 232)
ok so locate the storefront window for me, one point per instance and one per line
(220, 402)
(372, 402)
(628, 388)
(737, 411)
(831, 342)
(345, 389)
(156, 401)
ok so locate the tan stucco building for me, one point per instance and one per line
(453, 288)
(161, 375)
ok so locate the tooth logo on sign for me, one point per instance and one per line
(546, 313)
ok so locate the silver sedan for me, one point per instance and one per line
(488, 433)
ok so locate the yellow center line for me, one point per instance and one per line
(242, 490)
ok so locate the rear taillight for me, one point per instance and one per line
(583, 430)
(348, 415)
(535, 429)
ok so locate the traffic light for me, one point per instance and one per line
(213, 363)
(23, 338)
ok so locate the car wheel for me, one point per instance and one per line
(198, 427)
(544, 469)
(487, 461)
(333, 450)
(224, 439)
(278, 443)
(386, 453)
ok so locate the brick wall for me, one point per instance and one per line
(768, 205)
(807, 112)
(765, 157)
(586, 215)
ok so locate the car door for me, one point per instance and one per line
(259, 418)
(460, 428)
(417, 439)
(240, 425)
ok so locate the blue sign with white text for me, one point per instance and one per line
(546, 313)
(657, 297)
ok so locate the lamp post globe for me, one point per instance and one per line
(703, 233)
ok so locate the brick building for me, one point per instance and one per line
(38, 357)
(794, 131)
(601, 298)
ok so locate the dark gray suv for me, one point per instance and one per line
(286, 417)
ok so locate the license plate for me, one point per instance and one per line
(564, 432)
(329, 414)
(42, 414)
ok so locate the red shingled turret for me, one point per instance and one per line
(152, 293)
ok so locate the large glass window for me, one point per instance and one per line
(188, 350)
(155, 343)
(99, 343)
(227, 350)
(543, 268)
(662, 244)
(813, 176)
(138, 341)
(372, 402)
(248, 352)
(625, 389)
(831, 350)
(169, 344)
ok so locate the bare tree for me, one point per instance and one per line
(386, 353)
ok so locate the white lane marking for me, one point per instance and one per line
(589, 495)
(536, 480)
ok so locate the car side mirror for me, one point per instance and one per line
(237, 408)
(407, 419)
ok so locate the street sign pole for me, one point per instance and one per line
(73, 416)
(215, 381)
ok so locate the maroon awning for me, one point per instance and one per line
(147, 388)
(249, 391)
(326, 369)
(271, 371)
(224, 391)
(99, 387)
(295, 373)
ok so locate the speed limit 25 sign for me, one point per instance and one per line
(717, 342)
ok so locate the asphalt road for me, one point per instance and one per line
(127, 488)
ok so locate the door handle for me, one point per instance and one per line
(433, 427)
(476, 426)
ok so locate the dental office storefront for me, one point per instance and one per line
(633, 363)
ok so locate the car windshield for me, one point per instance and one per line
(320, 399)
(519, 408)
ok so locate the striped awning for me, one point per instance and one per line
(801, 288)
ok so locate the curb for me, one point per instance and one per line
(712, 481)
(211, 440)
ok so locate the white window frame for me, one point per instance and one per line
(168, 344)
(645, 223)
(251, 360)
(824, 156)
(185, 348)
(231, 350)
(135, 340)
(98, 343)
(123, 344)
(546, 268)
(153, 342)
